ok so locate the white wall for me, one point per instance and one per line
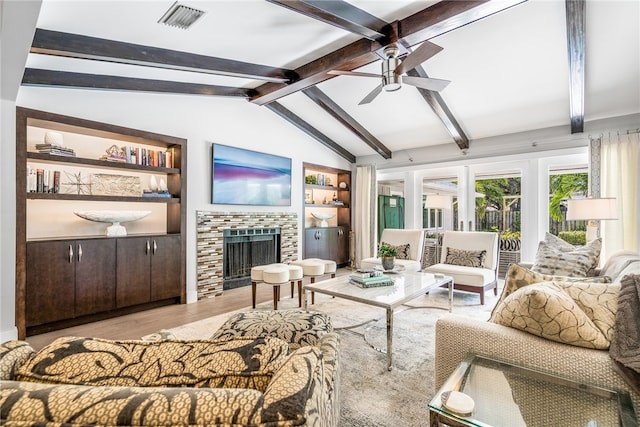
(17, 22)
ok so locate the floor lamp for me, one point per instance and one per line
(592, 210)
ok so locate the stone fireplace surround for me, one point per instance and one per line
(209, 244)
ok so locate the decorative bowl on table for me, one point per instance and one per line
(114, 217)
(322, 217)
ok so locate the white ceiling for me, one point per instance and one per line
(508, 72)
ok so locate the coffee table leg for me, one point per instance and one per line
(305, 306)
(450, 295)
(389, 337)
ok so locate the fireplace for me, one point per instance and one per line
(244, 248)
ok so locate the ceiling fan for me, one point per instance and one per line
(393, 68)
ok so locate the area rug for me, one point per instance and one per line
(370, 395)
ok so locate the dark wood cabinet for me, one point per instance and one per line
(321, 242)
(327, 243)
(69, 279)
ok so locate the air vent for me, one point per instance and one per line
(180, 16)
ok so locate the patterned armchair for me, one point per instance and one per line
(256, 381)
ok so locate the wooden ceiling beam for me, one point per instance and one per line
(339, 14)
(346, 120)
(56, 43)
(576, 19)
(51, 78)
(435, 20)
(437, 104)
(304, 126)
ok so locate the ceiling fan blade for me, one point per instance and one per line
(426, 83)
(418, 56)
(352, 73)
(375, 92)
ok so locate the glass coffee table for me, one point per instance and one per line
(510, 395)
(406, 286)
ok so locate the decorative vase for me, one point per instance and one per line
(153, 184)
(388, 262)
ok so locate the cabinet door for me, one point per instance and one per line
(312, 243)
(165, 267)
(321, 242)
(50, 286)
(133, 262)
(95, 276)
(342, 257)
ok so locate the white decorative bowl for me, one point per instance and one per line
(322, 217)
(114, 217)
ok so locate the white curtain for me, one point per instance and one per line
(621, 179)
(365, 213)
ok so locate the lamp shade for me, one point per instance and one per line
(435, 201)
(587, 209)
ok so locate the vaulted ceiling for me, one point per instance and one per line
(513, 65)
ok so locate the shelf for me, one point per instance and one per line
(48, 158)
(321, 205)
(88, 197)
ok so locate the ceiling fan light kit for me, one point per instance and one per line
(392, 69)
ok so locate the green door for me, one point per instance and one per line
(390, 213)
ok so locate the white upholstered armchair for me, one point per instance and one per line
(462, 258)
(397, 237)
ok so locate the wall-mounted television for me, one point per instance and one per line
(246, 177)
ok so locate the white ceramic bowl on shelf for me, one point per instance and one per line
(322, 217)
(114, 217)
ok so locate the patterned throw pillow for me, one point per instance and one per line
(546, 310)
(519, 276)
(240, 363)
(562, 259)
(403, 250)
(465, 258)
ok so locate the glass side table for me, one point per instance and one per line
(509, 395)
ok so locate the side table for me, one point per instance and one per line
(510, 395)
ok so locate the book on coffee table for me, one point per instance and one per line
(371, 282)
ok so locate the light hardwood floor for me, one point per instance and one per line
(136, 325)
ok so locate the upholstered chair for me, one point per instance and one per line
(471, 258)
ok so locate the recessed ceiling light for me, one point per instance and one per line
(180, 16)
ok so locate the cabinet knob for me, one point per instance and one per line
(155, 246)
(70, 254)
(148, 247)
(79, 252)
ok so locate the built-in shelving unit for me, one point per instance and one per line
(68, 275)
(327, 190)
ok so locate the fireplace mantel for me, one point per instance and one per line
(210, 226)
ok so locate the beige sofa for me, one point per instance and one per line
(253, 379)
(457, 335)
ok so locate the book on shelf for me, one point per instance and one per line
(42, 180)
(55, 150)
